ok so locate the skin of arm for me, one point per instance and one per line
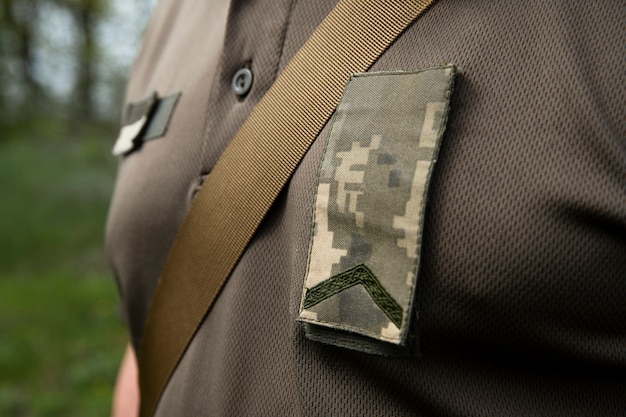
(126, 391)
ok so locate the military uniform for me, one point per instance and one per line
(516, 302)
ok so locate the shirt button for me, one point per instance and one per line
(242, 81)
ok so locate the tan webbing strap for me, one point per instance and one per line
(251, 172)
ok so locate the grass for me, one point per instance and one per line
(60, 337)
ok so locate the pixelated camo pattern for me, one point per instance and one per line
(371, 194)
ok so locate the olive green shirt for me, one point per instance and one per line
(519, 300)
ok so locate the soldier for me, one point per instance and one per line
(452, 243)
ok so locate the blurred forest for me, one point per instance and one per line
(63, 66)
(67, 58)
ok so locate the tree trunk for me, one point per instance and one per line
(19, 31)
(86, 15)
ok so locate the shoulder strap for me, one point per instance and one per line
(232, 201)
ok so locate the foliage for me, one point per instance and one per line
(55, 194)
(60, 338)
(60, 344)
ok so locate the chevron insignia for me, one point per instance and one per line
(359, 274)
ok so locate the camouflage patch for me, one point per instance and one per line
(369, 207)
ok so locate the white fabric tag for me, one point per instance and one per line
(126, 139)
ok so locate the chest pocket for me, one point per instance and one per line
(369, 208)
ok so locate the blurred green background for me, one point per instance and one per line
(63, 65)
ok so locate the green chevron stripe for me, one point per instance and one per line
(359, 274)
